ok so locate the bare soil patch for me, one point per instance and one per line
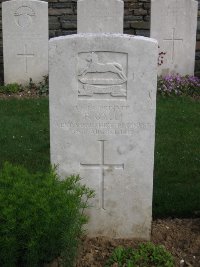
(20, 95)
(180, 236)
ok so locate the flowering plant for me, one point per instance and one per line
(179, 85)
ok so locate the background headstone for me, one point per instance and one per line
(25, 40)
(100, 16)
(174, 24)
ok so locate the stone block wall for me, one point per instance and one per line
(63, 17)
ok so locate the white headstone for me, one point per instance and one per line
(25, 40)
(100, 16)
(174, 24)
(102, 123)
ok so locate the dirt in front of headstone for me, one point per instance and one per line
(20, 95)
(179, 236)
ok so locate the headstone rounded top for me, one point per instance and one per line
(23, 2)
(161, 1)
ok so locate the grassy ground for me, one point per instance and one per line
(24, 139)
(24, 133)
(177, 158)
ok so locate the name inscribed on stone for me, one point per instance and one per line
(103, 120)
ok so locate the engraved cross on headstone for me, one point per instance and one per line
(26, 55)
(173, 40)
(102, 166)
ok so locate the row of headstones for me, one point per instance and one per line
(103, 98)
(25, 34)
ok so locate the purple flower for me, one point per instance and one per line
(177, 84)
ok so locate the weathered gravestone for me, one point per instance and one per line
(174, 24)
(102, 117)
(100, 16)
(25, 40)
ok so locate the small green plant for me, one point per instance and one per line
(120, 256)
(10, 88)
(43, 86)
(41, 217)
(147, 255)
(31, 85)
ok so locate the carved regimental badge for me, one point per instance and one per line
(102, 75)
(23, 16)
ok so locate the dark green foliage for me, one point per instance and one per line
(147, 255)
(40, 217)
(42, 88)
(10, 88)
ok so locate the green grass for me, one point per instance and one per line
(24, 139)
(177, 158)
(24, 133)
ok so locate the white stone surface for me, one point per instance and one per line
(174, 24)
(102, 120)
(100, 16)
(25, 40)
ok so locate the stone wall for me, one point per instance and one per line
(63, 16)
